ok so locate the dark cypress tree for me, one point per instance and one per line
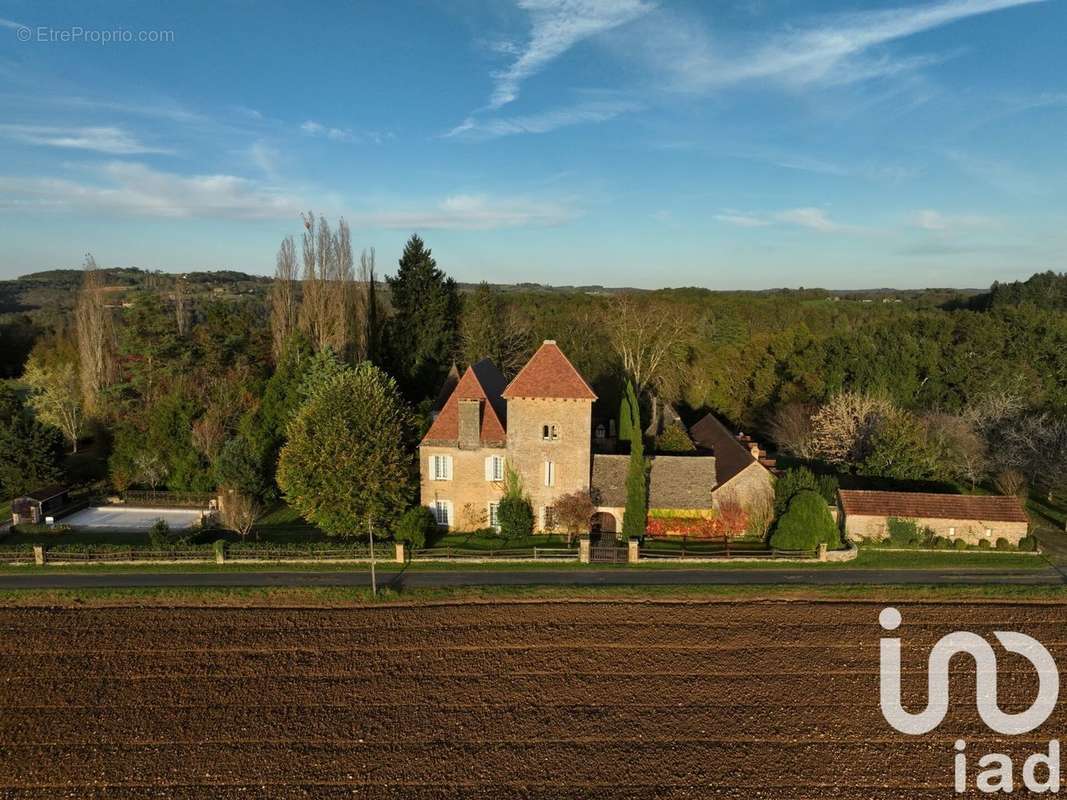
(422, 331)
(636, 514)
(373, 320)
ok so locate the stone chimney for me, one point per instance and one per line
(470, 424)
(753, 448)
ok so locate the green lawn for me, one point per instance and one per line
(484, 541)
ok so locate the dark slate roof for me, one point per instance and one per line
(924, 505)
(481, 381)
(731, 457)
(608, 483)
(682, 482)
(549, 374)
(47, 492)
(451, 380)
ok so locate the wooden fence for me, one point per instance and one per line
(536, 553)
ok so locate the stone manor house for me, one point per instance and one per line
(542, 425)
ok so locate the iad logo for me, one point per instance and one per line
(999, 778)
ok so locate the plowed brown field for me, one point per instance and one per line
(543, 700)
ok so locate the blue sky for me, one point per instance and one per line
(742, 144)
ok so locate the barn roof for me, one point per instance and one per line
(924, 505)
(46, 492)
(481, 381)
(608, 482)
(549, 374)
(731, 456)
(682, 482)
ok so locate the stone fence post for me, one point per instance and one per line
(38, 555)
(583, 551)
(822, 551)
(400, 548)
(633, 554)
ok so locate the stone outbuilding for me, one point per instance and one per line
(972, 518)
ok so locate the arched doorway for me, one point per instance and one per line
(602, 522)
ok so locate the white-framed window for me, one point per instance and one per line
(494, 516)
(548, 518)
(550, 473)
(442, 512)
(989, 533)
(494, 468)
(440, 468)
(951, 532)
(549, 433)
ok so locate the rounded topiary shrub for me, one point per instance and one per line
(415, 526)
(985, 544)
(806, 524)
(959, 544)
(1004, 544)
(942, 542)
(515, 517)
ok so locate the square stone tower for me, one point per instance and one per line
(549, 430)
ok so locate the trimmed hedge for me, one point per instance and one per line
(806, 524)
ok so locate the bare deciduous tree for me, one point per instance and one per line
(283, 297)
(651, 340)
(181, 305)
(790, 427)
(958, 450)
(1010, 481)
(240, 511)
(842, 428)
(332, 309)
(96, 338)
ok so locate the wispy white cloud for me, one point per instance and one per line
(742, 220)
(814, 218)
(833, 50)
(473, 212)
(317, 129)
(475, 128)
(929, 219)
(131, 189)
(558, 25)
(809, 217)
(265, 157)
(312, 128)
(111, 140)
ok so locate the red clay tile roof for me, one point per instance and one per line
(481, 381)
(549, 374)
(920, 505)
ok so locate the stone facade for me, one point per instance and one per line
(567, 448)
(752, 487)
(468, 491)
(970, 530)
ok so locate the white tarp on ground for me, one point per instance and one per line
(131, 518)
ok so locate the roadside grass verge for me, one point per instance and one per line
(870, 559)
(350, 597)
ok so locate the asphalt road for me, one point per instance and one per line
(542, 577)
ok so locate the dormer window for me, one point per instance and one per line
(549, 433)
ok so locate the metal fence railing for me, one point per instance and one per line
(156, 499)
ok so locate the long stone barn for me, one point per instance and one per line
(954, 516)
